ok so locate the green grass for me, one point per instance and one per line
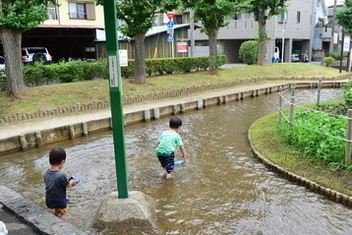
(268, 141)
(53, 96)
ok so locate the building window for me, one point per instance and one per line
(298, 17)
(178, 19)
(283, 18)
(52, 13)
(81, 11)
(237, 17)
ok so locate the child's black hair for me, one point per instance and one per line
(175, 122)
(56, 156)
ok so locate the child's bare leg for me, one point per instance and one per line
(61, 215)
(163, 172)
(169, 176)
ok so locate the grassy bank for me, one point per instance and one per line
(268, 141)
(53, 96)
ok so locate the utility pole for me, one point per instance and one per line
(118, 132)
(331, 48)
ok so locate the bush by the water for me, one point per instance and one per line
(321, 134)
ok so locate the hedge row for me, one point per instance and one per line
(78, 70)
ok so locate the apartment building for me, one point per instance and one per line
(294, 32)
(70, 31)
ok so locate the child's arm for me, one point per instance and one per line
(183, 151)
(71, 183)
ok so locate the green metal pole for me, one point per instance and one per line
(116, 97)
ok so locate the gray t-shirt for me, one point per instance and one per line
(55, 189)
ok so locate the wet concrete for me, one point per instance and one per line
(223, 189)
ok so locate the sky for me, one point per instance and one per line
(331, 2)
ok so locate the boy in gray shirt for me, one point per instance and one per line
(56, 183)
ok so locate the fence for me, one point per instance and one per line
(290, 102)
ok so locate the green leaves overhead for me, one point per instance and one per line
(212, 13)
(343, 16)
(273, 7)
(138, 16)
(23, 15)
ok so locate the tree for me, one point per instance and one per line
(264, 10)
(343, 17)
(17, 16)
(138, 17)
(212, 13)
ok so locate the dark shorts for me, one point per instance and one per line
(167, 161)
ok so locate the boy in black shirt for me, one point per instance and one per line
(56, 183)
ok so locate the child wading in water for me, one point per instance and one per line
(167, 143)
(56, 183)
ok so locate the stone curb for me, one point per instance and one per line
(37, 218)
(309, 184)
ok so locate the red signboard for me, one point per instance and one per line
(170, 15)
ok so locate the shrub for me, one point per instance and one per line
(319, 135)
(248, 52)
(78, 70)
(336, 54)
(347, 95)
(328, 61)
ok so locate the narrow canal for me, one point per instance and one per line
(222, 189)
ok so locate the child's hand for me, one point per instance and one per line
(184, 158)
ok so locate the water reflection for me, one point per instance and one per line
(223, 189)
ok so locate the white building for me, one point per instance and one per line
(300, 30)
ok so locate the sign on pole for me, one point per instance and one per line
(346, 43)
(170, 15)
(170, 38)
(123, 58)
(170, 24)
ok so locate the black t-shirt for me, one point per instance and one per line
(55, 189)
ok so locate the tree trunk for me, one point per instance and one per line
(139, 58)
(213, 51)
(12, 40)
(262, 37)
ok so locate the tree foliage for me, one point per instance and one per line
(17, 16)
(212, 13)
(137, 18)
(344, 15)
(23, 15)
(264, 10)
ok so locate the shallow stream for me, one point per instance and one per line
(222, 189)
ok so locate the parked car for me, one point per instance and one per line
(36, 54)
(295, 58)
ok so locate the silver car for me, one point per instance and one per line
(295, 58)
